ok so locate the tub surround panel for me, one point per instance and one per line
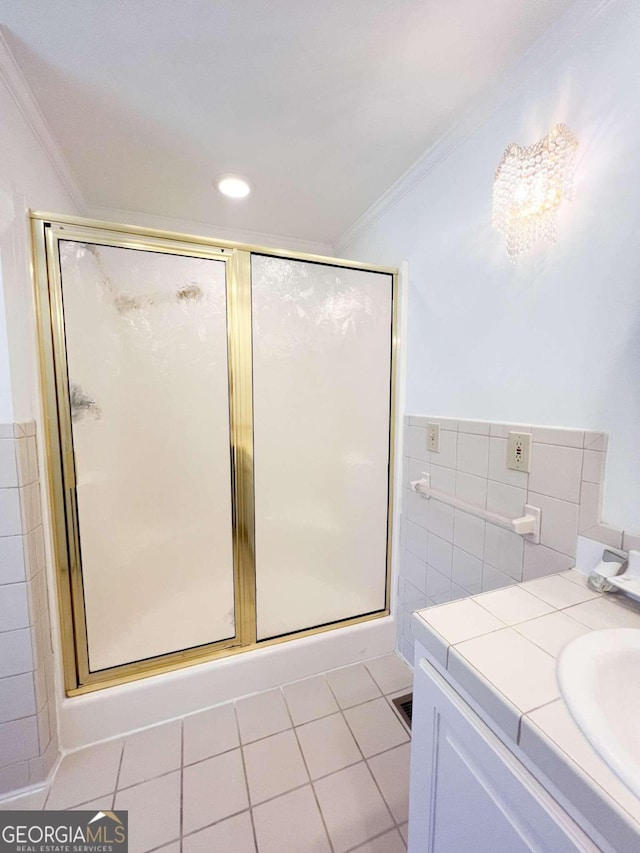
(28, 724)
(448, 554)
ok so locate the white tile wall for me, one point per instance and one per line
(449, 554)
(504, 551)
(469, 533)
(467, 570)
(470, 488)
(556, 470)
(10, 520)
(473, 454)
(28, 727)
(16, 654)
(415, 571)
(505, 499)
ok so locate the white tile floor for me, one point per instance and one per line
(320, 765)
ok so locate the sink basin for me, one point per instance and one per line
(599, 678)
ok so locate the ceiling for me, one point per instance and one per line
(321, 104)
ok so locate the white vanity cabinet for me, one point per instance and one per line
(468, 790)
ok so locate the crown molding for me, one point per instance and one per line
(571, 26)
(13, 79)
(208, 229)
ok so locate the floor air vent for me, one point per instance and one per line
(404, 706)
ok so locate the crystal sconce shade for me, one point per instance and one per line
(529, 187)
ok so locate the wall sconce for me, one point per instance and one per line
(530, 185)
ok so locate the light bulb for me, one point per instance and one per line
(233, 186)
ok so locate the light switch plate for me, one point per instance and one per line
(433, 438)
(519, 451)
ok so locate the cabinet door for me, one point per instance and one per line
(468, 791)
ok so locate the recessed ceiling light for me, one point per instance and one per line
(233, 186)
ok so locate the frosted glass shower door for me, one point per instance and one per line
(146, 349)
(322, 397)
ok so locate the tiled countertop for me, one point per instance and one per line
(501, 648)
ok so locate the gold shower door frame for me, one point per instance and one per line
(47, 231)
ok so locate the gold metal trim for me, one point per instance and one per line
(156, 233)
(392, 432)
(65, 456)
(241, 397)
(47, 230)
(161, 245)
(61, 460)
(55, 481)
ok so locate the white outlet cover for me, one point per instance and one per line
(433, 438)
(519, 451)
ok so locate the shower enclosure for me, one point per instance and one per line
(219, 424)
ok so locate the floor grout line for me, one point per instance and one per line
(306, 767)
(361, 845)
(151, 779)
(321, 717)
(382, 690)
(246, 777)
(226, 752)
(49, 789)
(193, 832)
(340, 710)
(366, 761)
(181, 781)
(163, 846)
(375, 781)
(115, 790)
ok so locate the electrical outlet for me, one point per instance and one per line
(433, 437)
(519, 451)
